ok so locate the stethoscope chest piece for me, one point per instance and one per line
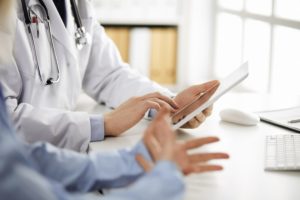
(82, 38)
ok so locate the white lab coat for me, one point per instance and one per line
(45, 113)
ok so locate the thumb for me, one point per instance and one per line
(197, 89)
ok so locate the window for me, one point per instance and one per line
(265, 32)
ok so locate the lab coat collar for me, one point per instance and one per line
(59, 30)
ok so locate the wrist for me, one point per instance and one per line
(107, 125)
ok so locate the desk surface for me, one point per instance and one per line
(244, 177)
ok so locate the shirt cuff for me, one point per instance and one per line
(152, 113)
(97, 128)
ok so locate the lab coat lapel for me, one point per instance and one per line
(59, 30)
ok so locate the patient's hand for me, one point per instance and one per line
(161, 143)
(132, 111)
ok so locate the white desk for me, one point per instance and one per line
(244, 177)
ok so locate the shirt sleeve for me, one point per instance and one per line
(97, 128)
(163, 183)
(92, 172)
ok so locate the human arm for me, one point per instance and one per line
(112, 81)
(23, 176)
(19, 182)
(84, 173)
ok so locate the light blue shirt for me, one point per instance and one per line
(41, 171)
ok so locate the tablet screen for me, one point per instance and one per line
(226, 85)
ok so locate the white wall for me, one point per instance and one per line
(199, 19)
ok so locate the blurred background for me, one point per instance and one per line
(182, 42)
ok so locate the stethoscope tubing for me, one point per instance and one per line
(50, 80)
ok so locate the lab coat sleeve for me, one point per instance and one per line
(108, 79)
(71, 130)
(85, 173)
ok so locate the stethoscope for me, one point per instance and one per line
(82, 38)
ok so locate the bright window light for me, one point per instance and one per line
(232, 4)
(289, 9)
(286, 60)
(257, 52)
(271, 45)
(262, 7)
(229, 43)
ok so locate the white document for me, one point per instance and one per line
(282, 118)
(225, 85)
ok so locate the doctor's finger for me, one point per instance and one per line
(168, 100)
(200, 118)
(193, 123)
(208, 111)
(151, 104)
(163, 104)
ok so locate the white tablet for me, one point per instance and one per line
(226, 85)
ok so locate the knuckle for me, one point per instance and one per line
(148, 103)
(158, 94)
(134, 98)
(194, 124)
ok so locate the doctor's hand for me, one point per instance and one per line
(187, 96)
(132, 111)
(161, 143)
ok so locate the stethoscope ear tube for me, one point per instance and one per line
(76, 14)
(25, 11)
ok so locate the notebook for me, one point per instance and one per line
(286, 118)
